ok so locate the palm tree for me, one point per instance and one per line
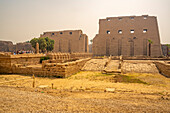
(150, 42)
(91, 41)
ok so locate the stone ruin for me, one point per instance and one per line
(8, 46)
(127, 36)
(59, 64)
(117, 36)
(68, 41)
(66, 64)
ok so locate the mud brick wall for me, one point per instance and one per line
(164, 68)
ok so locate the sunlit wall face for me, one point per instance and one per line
(21, 20)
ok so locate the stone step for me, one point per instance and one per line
(112, 71)
(112, 67)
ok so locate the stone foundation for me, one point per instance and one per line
(140, 66)
(59, 64)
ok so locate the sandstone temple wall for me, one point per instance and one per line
(127, 36)
(68, 41)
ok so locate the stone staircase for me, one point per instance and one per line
(112, 67)
(105, 65)
(95, 65)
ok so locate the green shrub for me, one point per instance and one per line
(44, 58)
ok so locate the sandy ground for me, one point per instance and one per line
(85, 92)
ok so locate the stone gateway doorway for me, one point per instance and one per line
(131, 43)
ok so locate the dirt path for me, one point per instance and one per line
(15, 100)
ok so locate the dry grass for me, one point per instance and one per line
(95, 81)
(84, 92)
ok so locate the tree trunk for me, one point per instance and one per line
(167, 50)
(149, 49)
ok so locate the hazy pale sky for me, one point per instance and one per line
(22, 20)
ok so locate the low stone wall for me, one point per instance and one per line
(60, 64)
(145, 58)
(66, 56)
(60, 56)
(164, 67)
(21, 69)
(81, 55)
(51, 69)
(5, 65)
(7, 61)
(64, 69)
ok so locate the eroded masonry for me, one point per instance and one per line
(59, 64)
(68, 41)
(67, 64)
(128, 36)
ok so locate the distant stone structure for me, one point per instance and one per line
(127, 36)
(68, 41)
(166, 49)
(8, 46)
(23, 46)
(90, 48)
